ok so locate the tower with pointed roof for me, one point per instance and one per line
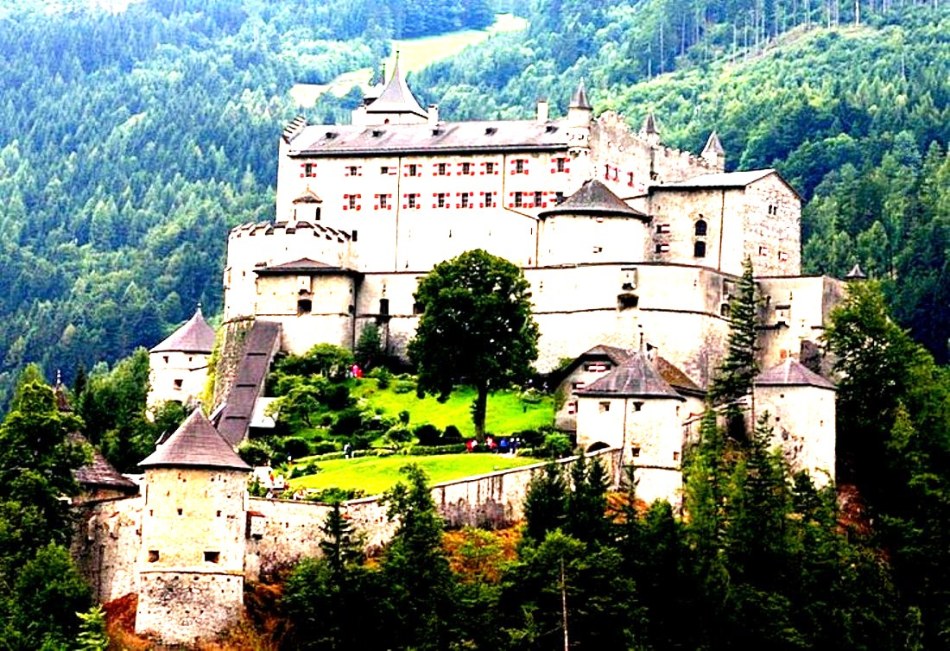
(178, 366)
(191, 562)
(395, 104)
(714, 153)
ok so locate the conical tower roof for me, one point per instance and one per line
(396, 97)
(856, 273)
(579, 99)
(196, 336)
(634, 378)
(649, 127)
(594, 198)
(195, 444)
(713, 146)
(791, 373)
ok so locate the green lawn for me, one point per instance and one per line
(507, 412)
(377, 474)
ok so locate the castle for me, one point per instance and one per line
(632, 250)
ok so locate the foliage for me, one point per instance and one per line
(416, 569)
(735, 375)
(92, 634)
(476, 328)
(369, 347)
(557, 445)
(545, 502)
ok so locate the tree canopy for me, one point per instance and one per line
(476, 328)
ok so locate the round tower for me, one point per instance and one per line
(191, 563)
(178, 366)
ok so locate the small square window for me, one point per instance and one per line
(635, 451)
(604, 406)
(178, 383)
(466, 168)
(153, 555)
(212, 557)
(413, 169)
(489, 168)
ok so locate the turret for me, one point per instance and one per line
(580, 112)
(395, 105)
(191, 562)
(178, 366)
(649, 130)
(713, 153)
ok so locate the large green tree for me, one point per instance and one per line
(476, 328)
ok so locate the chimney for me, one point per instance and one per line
(433, 113)
(542, 111)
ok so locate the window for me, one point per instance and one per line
(413, 169)
(354, 170)
(304, 306)
(662, 228)
(165, 358)
(782, 256)
(412, 200)
(725, 310)
(701, 228)
(351, 202)
(558, 197)
(676, 456)
(489, 168)
(630, 179)
(519, 199)
(153, 555)
(637, 405)
(520, 166)
(489, 200)
(604, 406)
(662, 248)
(384, 202)
(384, 306)
(465, 202)
(466, 168)
(627, 301)
(309, 170)
(440, 200)
(418, 308)
(598, 249)
(699, 249)
(538, 199)
(387, 170)
(597, 367)
(559, 165)
(635, 451)
(178, 383)
(440, 169)
(212, 557)
(763, 250)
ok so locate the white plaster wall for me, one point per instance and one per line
(166, 369)
(803, 422)
(570, 239)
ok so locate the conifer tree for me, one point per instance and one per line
(545, 506)
(586, 502)
(738, 369)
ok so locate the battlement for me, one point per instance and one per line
(263, 229)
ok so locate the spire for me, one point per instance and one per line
(713, 152)
(396, 98)
(649, 131)
(579, 99)
(856, 273)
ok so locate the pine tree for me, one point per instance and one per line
(545, 506)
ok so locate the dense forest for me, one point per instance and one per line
(131, 141)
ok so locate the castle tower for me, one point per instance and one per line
(713, 152)
(178, 366)
(649, 130)
(801, 412)
(191, 563)
(580, 115)
(395, 105)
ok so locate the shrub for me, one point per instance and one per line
(404, 386)
(404, 417)
(530, 438)
(330, 495)
(531, 396)
(427, 434)
(434, 450)
(348, 422)
(255, 453)
(294, 447)
(324, 447)
(383, 376)
(451, 435)
(337, 397)
(557, 445)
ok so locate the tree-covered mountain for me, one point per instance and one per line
(131, 141)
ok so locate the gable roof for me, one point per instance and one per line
(396, 97)
(308, 196)
(195, 336)
(303, 266)
(723, 180)
(195, 444)
(634, 378)
(594, 198)
(791, 373)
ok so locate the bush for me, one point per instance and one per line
(427, 434)
(404, 417)
(557, 445)
(404, 386)
(255, 453)
(434, 450)
(331, 495)
(451, 435)
(530, 438)
(531, 397)
(348, 422)
(294, 447)
(383, 376)
(337, 397)
(323, 447)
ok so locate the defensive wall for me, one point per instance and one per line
(278, 533)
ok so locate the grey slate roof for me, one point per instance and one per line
(714, 145)
(791, 373)
(99, 473)
(579, 99)
(235, 418)
(396, 97)
(594, 198)
(718, 180)
(195, 444)
(308, 196)
(447, 137)
(303, 266)
(196, 336)
(634, 378)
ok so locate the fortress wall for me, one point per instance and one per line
(106, 545)
(281, 532)
(185, 607)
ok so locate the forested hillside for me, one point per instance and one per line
(131, 141)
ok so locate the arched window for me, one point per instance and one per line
(699, 249)
(701, 227)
